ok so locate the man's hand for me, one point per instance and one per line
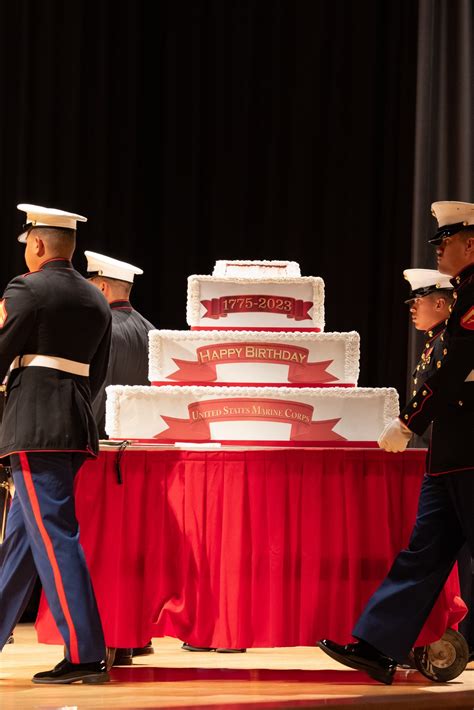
(395, 436)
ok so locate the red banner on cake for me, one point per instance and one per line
(201, 414)
(294, 308)
(203, 369)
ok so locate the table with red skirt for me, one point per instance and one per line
(245, 548)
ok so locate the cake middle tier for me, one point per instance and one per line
(249, 414)
(253, 357)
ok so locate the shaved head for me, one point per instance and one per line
(43, 243)
(113, 289)
(58, 242)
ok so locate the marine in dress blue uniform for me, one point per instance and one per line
(430, 296)
(55, 331)
(395, 614)
(128, 361)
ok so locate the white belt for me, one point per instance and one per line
(56, 363)
(470, 377)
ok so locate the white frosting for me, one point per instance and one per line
(112, 410)
(281, 392)
(131, 409)
(193, 307)
(246, 268)
(159, 361)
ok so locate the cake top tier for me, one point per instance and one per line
(256, 295)
(265, 269)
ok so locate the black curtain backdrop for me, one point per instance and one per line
(444, 153)
(194, 131)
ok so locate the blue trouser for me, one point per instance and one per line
(396, 612)
(42, 537)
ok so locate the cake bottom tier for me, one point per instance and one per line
(249, 414)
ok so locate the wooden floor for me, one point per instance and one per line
(284, 677)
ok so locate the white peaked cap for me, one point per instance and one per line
(425, 281)
(453, 212)
(452, 217)
(37, 216)
(110, 268)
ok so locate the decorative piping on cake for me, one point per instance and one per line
(390, 408)
(391, 405)
(193, 304)
(255, 279)
(352, 357)
(318, 302)
(301, 335)
(293, 268)
(155, 354)
(112, 409)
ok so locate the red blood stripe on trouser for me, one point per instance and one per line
(30, 489)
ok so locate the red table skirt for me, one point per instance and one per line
(239, 548)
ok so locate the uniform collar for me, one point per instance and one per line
(123, 305)
(56, 263)
(435, 330)
(463, 277)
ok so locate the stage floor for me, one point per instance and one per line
(300, 677)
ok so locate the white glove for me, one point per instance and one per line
(395, 436)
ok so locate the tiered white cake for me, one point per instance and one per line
(254, 368)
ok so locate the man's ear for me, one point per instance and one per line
(39, 246)
(469, 245)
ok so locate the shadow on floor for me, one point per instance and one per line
(151, 674)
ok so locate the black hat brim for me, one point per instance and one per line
(448, 231)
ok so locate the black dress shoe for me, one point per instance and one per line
(231, 650)
(10, 639)
(123, 657)
(67, 672)
(188, 647)
(363, 657)
(143, 650)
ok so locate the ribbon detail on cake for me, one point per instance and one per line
(201, 414)
(294, 308)
(203, 369)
